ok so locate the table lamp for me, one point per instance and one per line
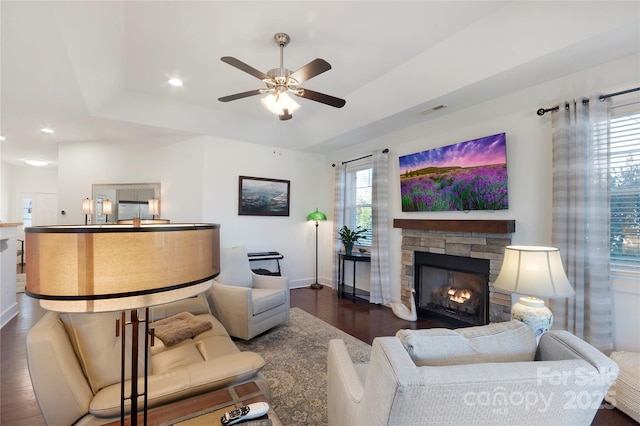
(533, 271)
(87, 209)
(107, 209)
(101, 268)
(154, 207)
(317, 216)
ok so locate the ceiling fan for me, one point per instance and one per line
(280, 82)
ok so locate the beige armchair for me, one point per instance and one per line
(247, 304)
(480, 375)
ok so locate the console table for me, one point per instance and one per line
(355, 258)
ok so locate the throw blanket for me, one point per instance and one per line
(176, 328)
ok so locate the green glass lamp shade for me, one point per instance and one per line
(316, 215)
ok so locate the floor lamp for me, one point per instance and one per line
(102, 268)
(317, 216)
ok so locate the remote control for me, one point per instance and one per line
(246, 412)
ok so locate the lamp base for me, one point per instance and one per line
(534, 313)
(316, 286)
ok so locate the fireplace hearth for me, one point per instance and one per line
(452, 289)
(471, 239)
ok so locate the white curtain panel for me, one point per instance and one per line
(380, 292)
(338, 216)
(581, 219)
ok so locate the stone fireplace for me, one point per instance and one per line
(473, 239)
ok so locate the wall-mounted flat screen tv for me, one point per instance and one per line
(469, 175)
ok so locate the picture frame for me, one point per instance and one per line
(465, 176)
(263, 196)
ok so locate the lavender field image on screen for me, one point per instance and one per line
(469, 175)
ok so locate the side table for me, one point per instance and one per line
(355, 258)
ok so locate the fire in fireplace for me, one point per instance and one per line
(452, 289)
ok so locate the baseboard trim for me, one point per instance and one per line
(9, 313)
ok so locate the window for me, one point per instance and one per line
(624, 168)
(358, 199)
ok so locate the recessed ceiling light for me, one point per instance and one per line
(175, 82)
(46, 130)
(37, 163)
(2, 138)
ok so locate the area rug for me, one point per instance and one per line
(21, 281)
(296, 356)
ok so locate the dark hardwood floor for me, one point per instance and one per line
(360, 319)
(17, 401)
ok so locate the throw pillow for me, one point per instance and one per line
(500, 342)
(234, 267)
(179, 327)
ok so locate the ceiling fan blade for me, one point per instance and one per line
(240, 95)
(321, 97)
(244, 67)
(312, 69)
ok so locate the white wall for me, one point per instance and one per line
(25, 181)
(199, 182)
(177, 167)
(20, 180)
(528, 161)
(5, 188)
(292, 236)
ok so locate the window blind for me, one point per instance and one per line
(358, 204)
(624, 173)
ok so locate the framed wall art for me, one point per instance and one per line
(263, 197)
(469, 175)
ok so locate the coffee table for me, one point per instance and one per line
(207, 408)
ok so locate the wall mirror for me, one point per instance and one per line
(126, 200)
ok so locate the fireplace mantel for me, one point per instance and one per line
(484, 226)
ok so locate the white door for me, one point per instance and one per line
(37, 209)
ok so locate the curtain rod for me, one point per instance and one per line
(384, 151)
(542, 111)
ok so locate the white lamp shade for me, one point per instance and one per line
(154, 206)
(533, 271)
(87, 206)
(107, 207)
(277, 103)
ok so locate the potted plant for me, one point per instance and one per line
(350, 237)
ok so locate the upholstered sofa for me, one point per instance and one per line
(480, 375)
(74, 363)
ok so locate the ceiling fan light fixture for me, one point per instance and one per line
(278, 102)
(281, 83)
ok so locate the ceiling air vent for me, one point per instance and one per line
(432, 109)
